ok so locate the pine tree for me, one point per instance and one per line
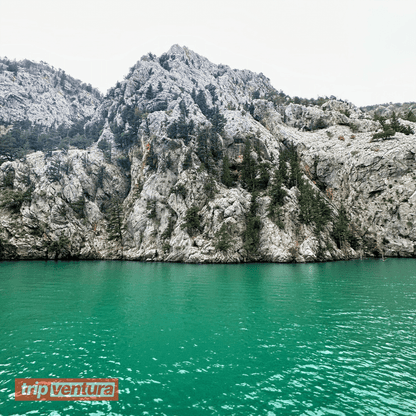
(183, 110)
(389, 130)
(166, 235)
(201, 101)
(192, 221)
(8, 147)
(322, 212)
(152, 158)
(115, 221)
(410, 116)
(215, 148)
(191, 127)
(105, 147)
(263, 181)
(218, 121)
(282, 170)
(149, 92)
(306, 202)
(54, 171)
(172, 130)
(277, 195)
(248, 169)
(182, 130)
(209, 188)
(223, 239)
(394, 122)
(187, 163)
(202, 146)
(226, 178)
(251, 235)
(340, 230)
(313, 207)
(295, 172)
(8, 179)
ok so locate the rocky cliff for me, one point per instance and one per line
(43, 95)
(198, 162)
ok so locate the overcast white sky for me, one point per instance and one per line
(362, 51)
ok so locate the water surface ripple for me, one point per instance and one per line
(258, 339)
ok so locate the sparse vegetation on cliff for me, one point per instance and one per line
(247, 172)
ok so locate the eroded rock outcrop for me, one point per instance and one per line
(43, 95)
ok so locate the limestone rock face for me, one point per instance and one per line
(376, 181)
(152, 187)
(62, 215)
(44, 96)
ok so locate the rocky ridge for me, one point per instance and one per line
(43, 95)
(154, 188)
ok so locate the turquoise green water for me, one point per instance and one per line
(260, 339)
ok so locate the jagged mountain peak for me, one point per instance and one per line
(182, 87)
(179, 51)
(188, 70)
(181, 73)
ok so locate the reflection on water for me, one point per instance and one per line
(312, 339)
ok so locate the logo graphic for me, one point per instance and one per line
(89, 389)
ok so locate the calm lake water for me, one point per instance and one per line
(258, 339)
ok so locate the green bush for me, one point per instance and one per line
(101, 174)
(115, 226)
(223, 240)
(7, 250)
(179, 189)
(248, 169)
(210, 188)
(251, 235)
(152, 158)
(389, 130)
(80, 141)
(61, 247)
(124, 163)
(37, 230)
(167, 234)
(277, 195)
(410, 116)
(341, 231)
(386, 133)
(226, 178)
(78, 207)
(313, 208)
(54, 171)
(8, 179)
(192, 221)
(13, 200)
(264, 178)
(166, 247)
(354, 127)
